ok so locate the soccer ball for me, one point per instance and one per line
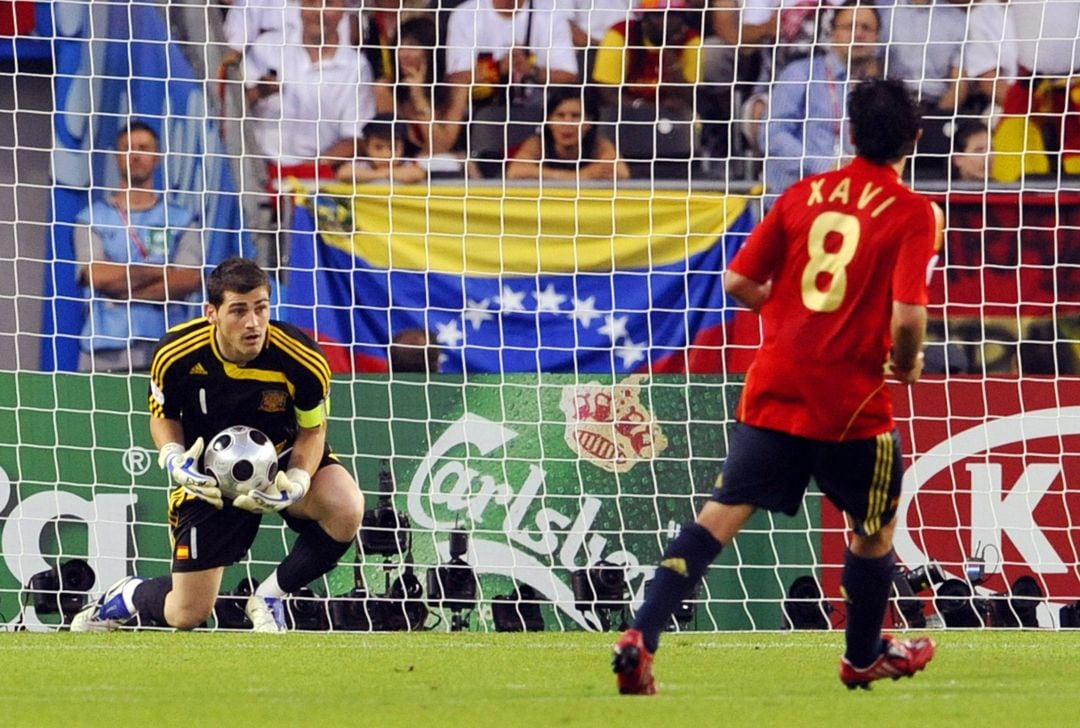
(241, 458)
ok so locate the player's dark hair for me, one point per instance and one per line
(857, 5)
(137, 125)
(966, 129)
(885, 120)
(239, 275)
(412, 350)
(385, 126)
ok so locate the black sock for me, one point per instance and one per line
(685, 561)
(313, 554)
(149, 599)
(867, 585)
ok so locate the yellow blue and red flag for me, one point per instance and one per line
(516, 279)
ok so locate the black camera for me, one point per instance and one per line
(959, 607)
(601, 585)
(1019, 606)
(908, 584)
(229, 607)
(601, 588)
(453, 585)
(62, 589)
(402, 607)
(385, 531)
(805, 608)
(308, 611)
(350, 612)
(518, 611)
(924, 577)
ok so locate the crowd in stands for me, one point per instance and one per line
(598, 91)
(473, 85)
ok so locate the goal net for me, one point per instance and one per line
(536, 366)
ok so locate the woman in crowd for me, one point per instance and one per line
(569, 147)
(971, 151)
(412, 93)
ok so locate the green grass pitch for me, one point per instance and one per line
(1007, 678)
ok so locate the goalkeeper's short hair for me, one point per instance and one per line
(236, 274)
(885, 120)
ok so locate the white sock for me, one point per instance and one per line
(270, 587)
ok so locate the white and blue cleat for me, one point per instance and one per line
(267, 614)
(107, 613)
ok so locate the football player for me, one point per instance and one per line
(838, 272)
(235, 366)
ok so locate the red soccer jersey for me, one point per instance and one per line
(839, 248)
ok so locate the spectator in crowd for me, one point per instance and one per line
(775, 32)
(804, 134)
(971, 151)
(653, 59)
(989, 51)
(310, 99)
(1034, 43)
(380, 24)
(499, 51)
(733, 61)
(591, 19)
(246, 20)
(140, 259)
(384, 155)
(414, 351)
(570, 146)
(434, 117)
(925, 47)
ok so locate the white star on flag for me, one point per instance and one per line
(449, 334)
(477, 312)
(511, 300)
(615, 328)
(585, 311)
(548, 299)
(630, 353)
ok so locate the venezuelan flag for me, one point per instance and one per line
(518, 279)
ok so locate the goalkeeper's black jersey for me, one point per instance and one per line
(286, 385)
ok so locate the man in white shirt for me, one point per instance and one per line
(493, 46)
(310, 97)
(925, 51)
(591, 19)
(248, 19)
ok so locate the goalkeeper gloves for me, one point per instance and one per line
(288, 488)
(182, 467)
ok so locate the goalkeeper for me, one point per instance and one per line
(235, 366)
(837, 271)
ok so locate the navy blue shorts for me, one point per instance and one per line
(772, 470)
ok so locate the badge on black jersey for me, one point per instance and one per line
(273, 401)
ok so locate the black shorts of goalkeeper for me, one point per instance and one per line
(204, 537)
(772, 470)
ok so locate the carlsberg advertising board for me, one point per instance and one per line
(547, 476)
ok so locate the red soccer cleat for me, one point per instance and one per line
(632, 664)
(901, 658)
